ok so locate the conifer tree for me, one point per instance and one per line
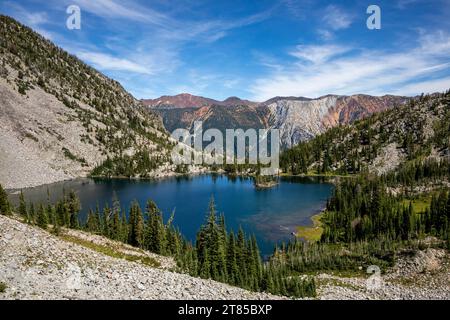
(98, 219)
(5, 207)
(91, 222)
(205, 267)
(54, 219)
(73, 205)
(106, 216)
(115, 228)
(154, 229)
(232, 267)
(22, 209)
(42, 217)
(31, 214)
(136, 225)
(123, 227)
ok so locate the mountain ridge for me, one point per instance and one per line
(298, 118)
(187, 100)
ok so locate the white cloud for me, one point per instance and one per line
(107, 62)
(427, 86)
(435, 43)
(321, 70)
(163, 26)
(267, 61)
(325, 34)
(230, 83)
(403, 4)
(336, 18)
(114, 9)
(318, 53)
(298, 9)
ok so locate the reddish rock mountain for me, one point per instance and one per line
(297, 118)
(186, 100)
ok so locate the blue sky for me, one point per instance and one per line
(253, 49)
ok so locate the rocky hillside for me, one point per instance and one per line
(299, 119)
(60, 118)
(76, 265)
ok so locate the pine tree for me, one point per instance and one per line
(106, 218)
(205, 267)
(42, 217)
(154, 229)
(256, 260)
(232, 268)
(74, 206)
(22, 209)
(61, 214)
(136, 225)
(31, 214)
(240, 256)
(54, 219)
(209, 244)
(115, 229)
(123, 228)
(98, 219)
(5, 207)
(91, 222)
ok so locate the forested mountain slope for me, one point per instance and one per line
(60, 118)
(416, 131)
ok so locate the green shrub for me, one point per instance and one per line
(3, 287)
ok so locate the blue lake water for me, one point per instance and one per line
(271, 214)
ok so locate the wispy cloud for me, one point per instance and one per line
(267, 61)
(403, 4)
(336, 18)
(210, 30)
(333, 20)
(298, 9)
(426, 86)
(115, 9)
(325, 34)
(107, 62)
(318, 53)
(322, 70)
(163, 25)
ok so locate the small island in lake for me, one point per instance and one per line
(265, 182)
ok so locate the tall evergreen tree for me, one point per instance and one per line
(91, 222)
(123, 227)
(42, 217)
(154, 229)
(74, 207)
(136, 225)
(106, 218)
(5, 207)
(232, 267)
(31, 214)
(54, 220)
(22, 209)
